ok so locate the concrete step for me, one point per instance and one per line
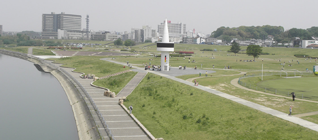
(132, 84)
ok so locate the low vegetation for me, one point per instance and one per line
(173, 110)
(116, 83)
(90, 65)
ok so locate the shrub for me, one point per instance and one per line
(198, 121)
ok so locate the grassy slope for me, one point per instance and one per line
(217, 73)
(17, 49)
(116, 83)
(168, 110)
(91, 64)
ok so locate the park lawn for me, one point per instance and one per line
(116, 83)
(224, 58)
(304, 87)
(42, 51)
(223, 84)
(90, 65)
(172, 110)
(16, 49)
(313, 118)
(216, 73)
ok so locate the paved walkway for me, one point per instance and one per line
(132, 84)
(235, 83)
(119, 122)
(264, 109)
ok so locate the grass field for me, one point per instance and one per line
(173, 110)
(91, 65)
(42, 51)
(313, 118)
(217, 73)
(304, 87)
(224, 58)
(116, 83)
(16, 49)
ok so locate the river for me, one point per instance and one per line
(33, 104)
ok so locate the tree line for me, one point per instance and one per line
(24, 40)
(261, 32)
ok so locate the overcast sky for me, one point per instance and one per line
(204, 16)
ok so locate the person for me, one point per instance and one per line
(206, 73)
(130, 109)
(189, 61)
(195, 82)
(290, 110)
(293, 95)
(200, 74)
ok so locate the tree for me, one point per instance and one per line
(235, 47)
(118, 42)
(129, 42)
(226, 38)
(148, 41)
(254, 50)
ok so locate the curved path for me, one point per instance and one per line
(234, 82)
(267, 110)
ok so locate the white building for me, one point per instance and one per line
(175, 29)
(305, 43)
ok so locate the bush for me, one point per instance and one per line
(206, 50)
(264, 53)
(301, 55)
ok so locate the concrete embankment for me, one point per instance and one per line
(86, 126)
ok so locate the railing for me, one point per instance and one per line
(75, 82)
(254, 86)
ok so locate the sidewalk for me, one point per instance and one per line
(264, 109)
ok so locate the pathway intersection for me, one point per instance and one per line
(264, 109)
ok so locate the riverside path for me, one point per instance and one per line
(121, 125)
(264, 109)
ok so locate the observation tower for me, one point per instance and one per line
(165, 47)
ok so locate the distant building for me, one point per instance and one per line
(175, 29)
(68, 25)
(137, 35)
(308, 43)
(0, 29)
(153, 33)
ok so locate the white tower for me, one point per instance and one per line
(165, 47)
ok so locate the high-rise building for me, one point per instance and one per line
(147, 32)
(0, 29)
(137, 35)
(153, 33)
(175, 29)
(69, 24)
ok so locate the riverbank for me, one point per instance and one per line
(85, 123)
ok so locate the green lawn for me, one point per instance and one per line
(116, 83)
(224, 58)
(173, 110)
(216, 73)
(16, 49)
(42, 51)
(313, 118)
(304, 87)
(91, 65)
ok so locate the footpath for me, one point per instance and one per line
(121, 125)
(264, 109)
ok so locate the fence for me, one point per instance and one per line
(83, 92)
(299, 94)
